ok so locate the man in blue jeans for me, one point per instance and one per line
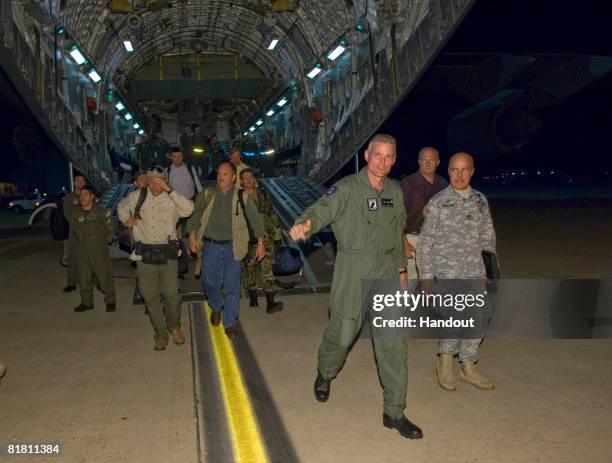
(220, 225)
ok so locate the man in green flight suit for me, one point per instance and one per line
(272, 233)
(70, 204)
(94, 228)
(367, 216)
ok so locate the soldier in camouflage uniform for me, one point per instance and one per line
(94, 228)
(457, 228)
(69, 205)
(272, 234)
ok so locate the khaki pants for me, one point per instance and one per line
(413, 272)
(156, 280)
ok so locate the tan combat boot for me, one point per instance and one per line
(160, 344)
(444, 369)
(470, 374)
(177, 336)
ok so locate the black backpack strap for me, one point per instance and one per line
(140, 202)
(190, 169)
(243, 207)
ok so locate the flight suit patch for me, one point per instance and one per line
(81, 218)
(372, 204)
(386, 202)
(331, 190)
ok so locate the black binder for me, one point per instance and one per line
(491, 265)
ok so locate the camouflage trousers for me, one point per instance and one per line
(466, 348)
(251, 264)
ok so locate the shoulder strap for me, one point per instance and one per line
(190, 169)
(140, 202)
(209, 193)
(243, 207)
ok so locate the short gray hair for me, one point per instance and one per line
(382, 138)
(428, 148)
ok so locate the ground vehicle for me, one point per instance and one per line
(28, 203)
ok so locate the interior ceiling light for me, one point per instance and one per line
(259, 122)
(270, 113)
(128, 117)
(119, 106)
(246, 133)
(282, 102)
(128, 46)
(273, 44)
(136, 126)
(77, 56)
(141, 132)
(314, 72)
(252, 128)
(333, 55)
(93, 75)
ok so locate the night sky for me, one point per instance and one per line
(574, 135)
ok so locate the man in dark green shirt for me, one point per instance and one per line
(219, 226)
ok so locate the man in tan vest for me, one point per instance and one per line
(220, 225)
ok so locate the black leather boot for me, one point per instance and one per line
(273, 306)
(322, 387)
(403, 426)
(253, 298)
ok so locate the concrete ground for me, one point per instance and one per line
(92, 381)
(89, 381)
(552, 402)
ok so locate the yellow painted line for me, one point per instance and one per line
(244, 430)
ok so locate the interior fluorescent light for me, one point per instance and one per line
(77, 56)
(336, 52)
(94, 76)
(314, 72)
(128, 45)
(141, 132)
(136, 126)
(246, 133)
(252, 129)
(259, 122)
(282, 102)
(128, 117)
(120, 106)
(270, 113)
(273, 44)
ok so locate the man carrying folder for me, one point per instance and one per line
(458, 227)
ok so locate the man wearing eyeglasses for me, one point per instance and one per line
(154, 229)
(418, 189)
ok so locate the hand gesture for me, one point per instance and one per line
(299, 231)
(131, 222)
(260, 252)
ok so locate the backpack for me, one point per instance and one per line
(287, 261)
(59, 225)
(124, 234)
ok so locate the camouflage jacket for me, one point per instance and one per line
(455, 232)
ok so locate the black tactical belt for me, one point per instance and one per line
(217, 241)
